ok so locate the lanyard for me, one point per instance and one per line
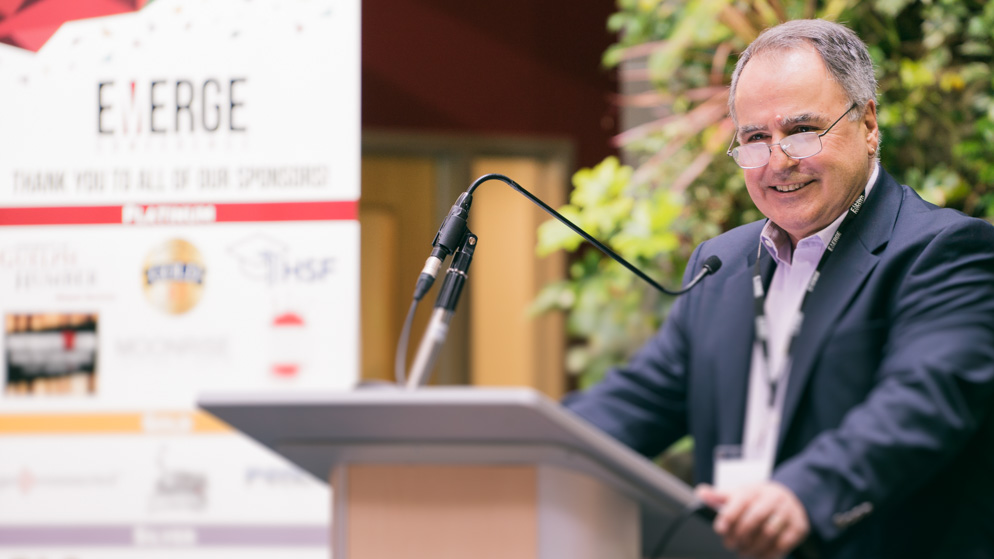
(759, 299)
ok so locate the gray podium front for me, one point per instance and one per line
(461, 472)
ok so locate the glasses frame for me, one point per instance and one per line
(731, 152)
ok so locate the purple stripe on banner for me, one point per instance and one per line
(160, 535)
(288, 536)
(93, 536)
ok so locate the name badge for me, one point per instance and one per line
(732, 470)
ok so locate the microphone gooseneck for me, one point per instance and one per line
(711, 264)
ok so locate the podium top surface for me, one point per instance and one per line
(317, 430)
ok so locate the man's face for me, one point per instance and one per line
(788, 93)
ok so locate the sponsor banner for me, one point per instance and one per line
(178, 215)
(170, 312)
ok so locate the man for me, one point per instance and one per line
(867, 432)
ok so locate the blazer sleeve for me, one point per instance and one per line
(644, 403)
(933, 389)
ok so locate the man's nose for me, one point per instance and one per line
(779, 159)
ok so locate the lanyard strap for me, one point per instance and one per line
(759, 299)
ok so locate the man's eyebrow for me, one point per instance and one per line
(747, 129)
(788, 121)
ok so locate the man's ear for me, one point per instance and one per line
(872, 130)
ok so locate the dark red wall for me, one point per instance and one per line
(490, 67)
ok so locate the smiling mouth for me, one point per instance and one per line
(790, 187)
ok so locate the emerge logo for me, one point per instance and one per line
(173, 276)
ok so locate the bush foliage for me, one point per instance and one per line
(936, 114)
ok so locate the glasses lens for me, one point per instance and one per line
(751, 155)
(801, 145)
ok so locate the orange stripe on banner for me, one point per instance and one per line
(106, 423)
(207, 423)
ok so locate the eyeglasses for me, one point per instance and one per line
(796, 146)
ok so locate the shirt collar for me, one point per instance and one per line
(777, 242)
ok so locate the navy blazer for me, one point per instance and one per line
(887, 436)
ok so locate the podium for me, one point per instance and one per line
(457, 472)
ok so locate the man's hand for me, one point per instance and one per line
(764, 520)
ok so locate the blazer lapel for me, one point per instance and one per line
(841, 278)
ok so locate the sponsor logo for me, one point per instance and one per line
(55, 266)
(177, 488)
(276, 477)
(173, 276)
(51, 354)
(27, 482)
(288, 345)
(197, 347)
(264, 259)
(177, 106)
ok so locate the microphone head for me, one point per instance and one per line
(712, 263)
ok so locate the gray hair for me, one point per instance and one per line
(844, 54)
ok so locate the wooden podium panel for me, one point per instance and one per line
(424, 511)
(440, 512)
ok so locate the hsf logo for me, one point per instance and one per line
(265, 259)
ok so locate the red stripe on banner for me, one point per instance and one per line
(89, 215)
(288, 211)
(181, 214)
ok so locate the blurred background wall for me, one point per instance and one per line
(450, 91)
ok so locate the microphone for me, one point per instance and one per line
(455, 237)
(711, 265)
(447, 240)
